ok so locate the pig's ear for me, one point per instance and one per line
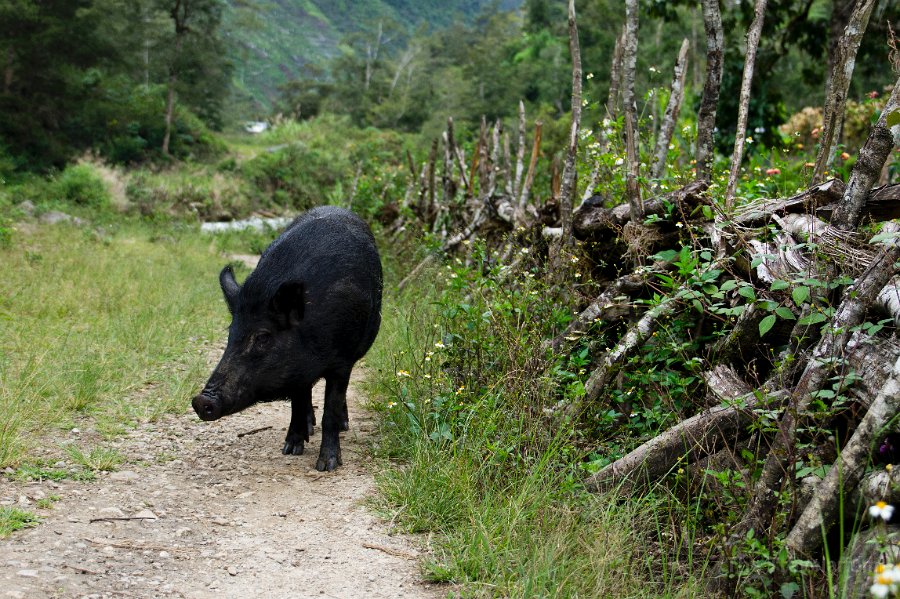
(230, 288)
(288, 303)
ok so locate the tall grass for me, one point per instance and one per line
(476, 462)
(115, 326)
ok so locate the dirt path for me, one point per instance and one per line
(226, 516)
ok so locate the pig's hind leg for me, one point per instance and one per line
(303, 418)
(333, 418)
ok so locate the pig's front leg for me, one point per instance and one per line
(303, 419)
(332, 421)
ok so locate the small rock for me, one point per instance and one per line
(231, 571)
(163, 554)
(54, 217)
(27, 207)
(146, 515)
(15, 594)
(124, 475)
(28, 573)
(111, 512)
(182, 531)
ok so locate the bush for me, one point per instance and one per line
(209, 196)
(81, 185)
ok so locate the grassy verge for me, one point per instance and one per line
(114, 326)
(478, 455)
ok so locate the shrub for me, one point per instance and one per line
(81, 185)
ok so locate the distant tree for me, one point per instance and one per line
(194, 58)
(49, 52)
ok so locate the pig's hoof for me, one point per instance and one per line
(292, 447)
(345, 426)
(328, 463)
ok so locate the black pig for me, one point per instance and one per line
(310, 310)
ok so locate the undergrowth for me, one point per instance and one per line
(481, 453)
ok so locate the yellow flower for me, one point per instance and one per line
(402, 373)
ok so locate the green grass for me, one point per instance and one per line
(104, 459)
(480, 469)
(13, 519)
(114, 327)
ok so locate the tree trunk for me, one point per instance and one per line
(520, 153)
(567, 190)
(676, 96)
(706, 116)
(532, 164)
(615, 77)
(867, 169)
(180, 14)
(839, 83)
(632, 188)
(744, 105)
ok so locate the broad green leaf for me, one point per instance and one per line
(814, 318)
(747, 291)
(800, 295)
(893, 118)
(766, 324)
(785, 313)
(709, 289)
(778, 285)
(728, 285)
(698, 306)
(665, 256)
(889, 236)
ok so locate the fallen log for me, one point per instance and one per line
(694, 438)
(591, 220)
(758, 213)
(856, 299)
(611, 305)
(882, 203)
(806, 535)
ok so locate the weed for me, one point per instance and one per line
(13, 519)
(39, 470)
(46, 503)
(103, 459)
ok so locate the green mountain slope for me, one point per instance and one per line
(271, 40)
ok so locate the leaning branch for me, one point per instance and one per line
(744, 105)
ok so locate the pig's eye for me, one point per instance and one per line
(262, 339)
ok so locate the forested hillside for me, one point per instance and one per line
(272, 41)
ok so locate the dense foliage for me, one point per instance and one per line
(94, 74)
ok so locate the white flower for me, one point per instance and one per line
(403, 374)
(653, 70)
(881, 510)
(619, 162)
(439, 345)
(879, 590)
(589, 76)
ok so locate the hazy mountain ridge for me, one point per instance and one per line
(272, 40)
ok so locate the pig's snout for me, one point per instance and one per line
(207, 408)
